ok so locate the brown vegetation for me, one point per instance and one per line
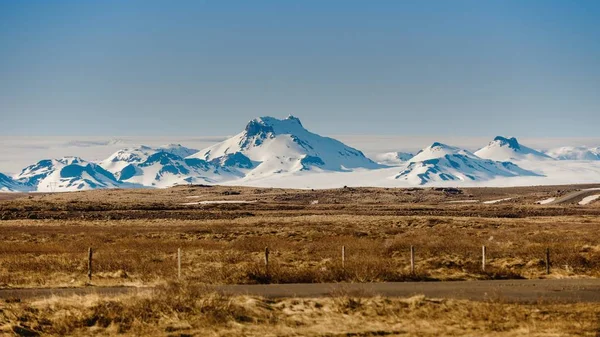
(183, 310)
(136, 233)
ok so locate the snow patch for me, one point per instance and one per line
(589, 199)
(496, 201)
(462, 201)
(545, 201)
(212, 202)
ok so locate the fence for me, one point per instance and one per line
(412, 253)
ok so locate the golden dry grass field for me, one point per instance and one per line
(183, 310)
(135, 235)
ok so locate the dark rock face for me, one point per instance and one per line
(170, 163)
(237, 159)
(94, 170)
(5, 178)
(197, 163)
(511, 142)
(46, 163)
(74, 173)
(163, 158)
(71, 171)
(256, 131)
(128, 172)
(10, 183)
(295, 119)
(257, 128)
(308, 161)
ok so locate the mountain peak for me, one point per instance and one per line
(440, 145)
(284, 145)
(69, 160)
(66, 174)
(511, 142)
(172, 145)
(177, 149)
(439, 150)
(508, 149)
(294, 119)
(259, 126)
(268, 124)
(437, 164)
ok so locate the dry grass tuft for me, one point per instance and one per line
(181, 309)
(173, 302)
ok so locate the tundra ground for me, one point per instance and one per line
(135, 235)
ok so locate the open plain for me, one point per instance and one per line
(223, 232)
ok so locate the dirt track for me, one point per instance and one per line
(565, 290)
(522, 291)
(575, 196)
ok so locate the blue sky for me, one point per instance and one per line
(202, 68)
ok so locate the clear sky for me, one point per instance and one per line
(202, 68)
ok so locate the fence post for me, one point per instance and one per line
(547, 261)
(89, 274)
(343, 257)
(179, 263)
(483, 251)
(412, 259)
(267, 260)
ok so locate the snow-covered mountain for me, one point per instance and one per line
(440, 162)
(8, 184)
(508, 149)
(67, 174)
(575, 153)
(392, 158)
(119, 160)
(178, 150)
(271, 152)
(137, 155)
(270, 146)
(164, 167)
(439, 150)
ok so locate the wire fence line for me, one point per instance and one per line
(267, 260)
